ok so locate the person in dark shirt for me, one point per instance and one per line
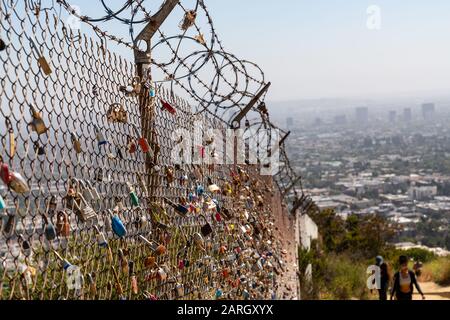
(384, 278)
(404, 282)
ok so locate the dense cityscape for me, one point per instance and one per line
(393, 163)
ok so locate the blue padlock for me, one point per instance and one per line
(200, 190)
(219, 293)
(101, 140)
(117, 226)
(2, 203)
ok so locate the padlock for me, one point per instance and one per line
(49, 228)
(123, 262)
(150, 262)
(93, 190)
(169, 172)
(37, 124)
(2, 203)
(12, 139)
(133, 278)
(219, 293)
(131, 145)
(13, 180)
(137, 85)
(41, 59)
(101, 140)
(85, 191)
(119, 288)
(52, 204)
(183, 262)
(179, 290)
(117, 225)
(2, 45)
(133, 196)
(183, 179)
(82, 209)
(128, 90)
(142, 184)
(145, 146)
(92, 285)
(117, 113)
(10, 224)
(76, 143)
(158, 249)
(149, 84)
(62, 224)
(99, 175)
(227, 189)
(40, 150)
(166, 106)
(101, 239)
(200, 190)
(161, 274)
(188, 20)
(180, 209)
(213, 188)
(119, 152)
(245, 294)
(199, 241)
(26, 247)
(141, 222)
(206, 229)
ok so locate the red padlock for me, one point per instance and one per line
(168, 107)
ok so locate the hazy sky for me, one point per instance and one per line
(313, 49)
(323, 48)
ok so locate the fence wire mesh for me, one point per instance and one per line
(89, 182)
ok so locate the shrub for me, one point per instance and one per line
(437, 271)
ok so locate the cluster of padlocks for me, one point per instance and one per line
(221, 251)
(111, 217)
(213, 242)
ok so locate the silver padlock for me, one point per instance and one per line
(86, 191)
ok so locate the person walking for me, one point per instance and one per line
(384, 278)
(404, 282)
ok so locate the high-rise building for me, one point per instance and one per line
(428, 111)
(392, 116)
(407, 115)
(340, 119)
(362, 115)
(290, 122)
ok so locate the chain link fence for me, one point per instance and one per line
(92, 205)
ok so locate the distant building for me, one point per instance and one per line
(392, 116)
(340, 119)
(407, 115)
(428, 111)
(290, 122)
(318, 122)
(362, 115)
(422, 193)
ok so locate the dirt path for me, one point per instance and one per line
(433, 291)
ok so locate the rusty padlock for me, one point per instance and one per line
(41, 59)
(206, 229)
(62, 224)
(37, 124)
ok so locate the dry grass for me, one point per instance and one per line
(437, 271)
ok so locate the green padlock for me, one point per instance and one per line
(133, 195)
